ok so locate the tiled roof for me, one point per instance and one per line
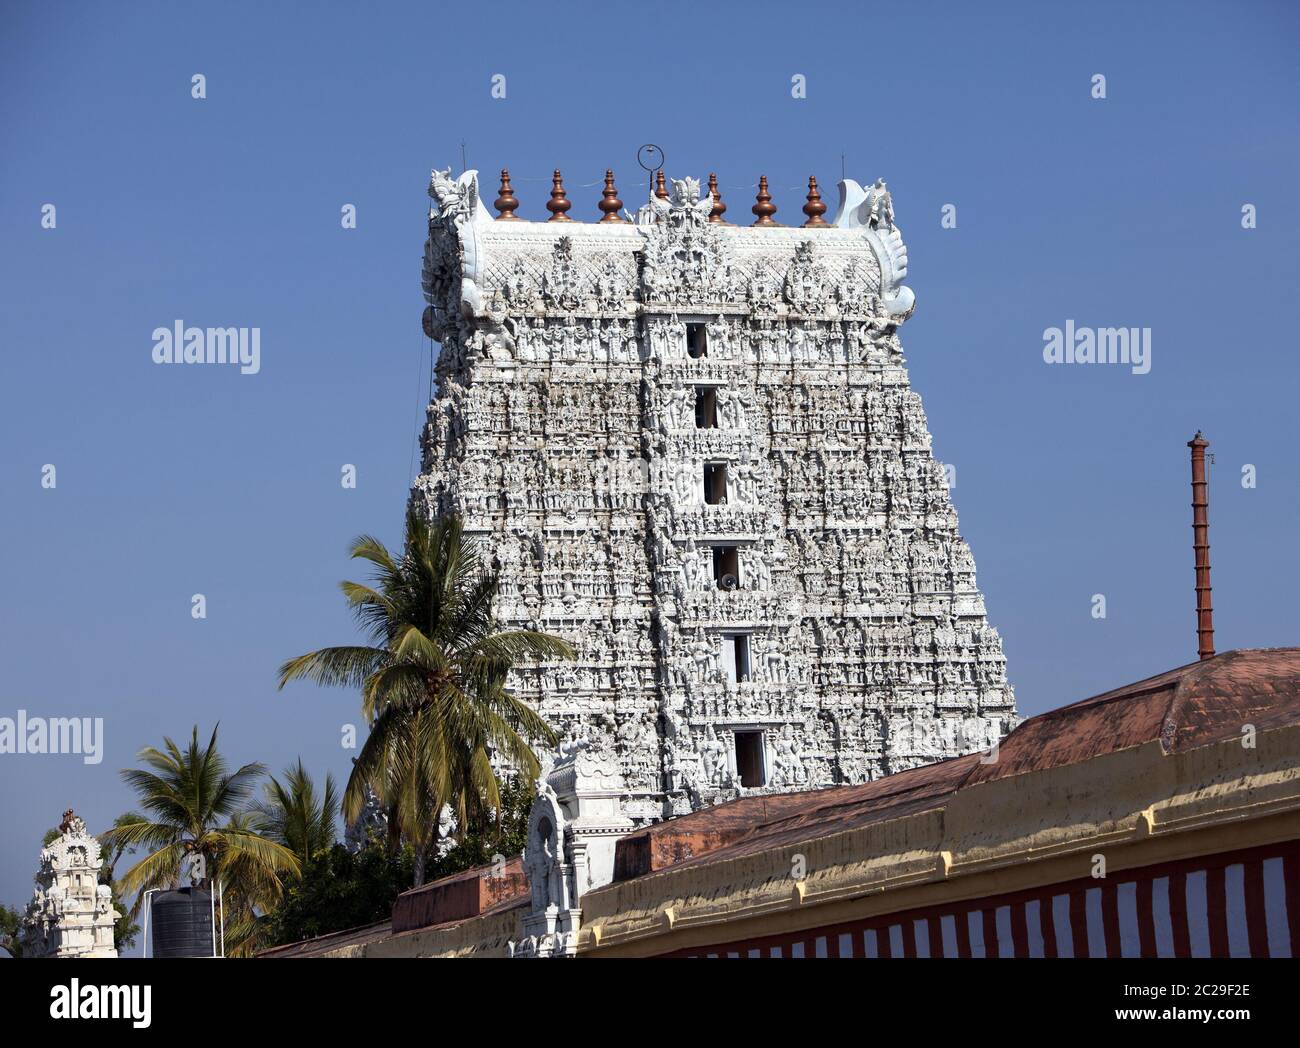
(333, 941)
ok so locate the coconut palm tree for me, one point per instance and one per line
(250, 890)
(433, 683)
(193, 812)
(293, 815)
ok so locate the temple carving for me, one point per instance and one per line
(693, 451)
(71, 914)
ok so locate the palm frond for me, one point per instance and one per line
(433, 686)
(159, 869)
(346, 666)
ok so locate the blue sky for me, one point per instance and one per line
(1071, 481)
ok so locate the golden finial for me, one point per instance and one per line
(559, 202)
(506, 201)
(764, 208)
(719, 208)
(609, 201)
(814, 208)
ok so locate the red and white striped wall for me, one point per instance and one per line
(1234, 904)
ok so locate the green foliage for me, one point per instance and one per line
(194, 810)
(505, 837)
(10, 922)
(340, 890)
(125, 930)
(433, 683)
(293, 815)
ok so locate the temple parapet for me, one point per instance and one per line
(485, 268)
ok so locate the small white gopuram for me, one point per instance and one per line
(71, 914)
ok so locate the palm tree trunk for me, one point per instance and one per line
(394, 830)
(420, 851)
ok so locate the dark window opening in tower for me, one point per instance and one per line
(750, 765)
(715, 483)
(726, 567)
(706, 407)
(697, 340)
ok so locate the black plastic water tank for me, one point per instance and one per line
(181, 922)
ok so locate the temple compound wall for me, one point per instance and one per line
(693, 451)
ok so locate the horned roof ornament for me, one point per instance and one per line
(684, 204)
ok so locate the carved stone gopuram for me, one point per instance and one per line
(71, 914)
(693, 451)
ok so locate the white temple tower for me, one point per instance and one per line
(71, 914)
(695, 452)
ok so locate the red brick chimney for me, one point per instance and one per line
(1201, 545)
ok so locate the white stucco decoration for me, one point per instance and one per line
(872, 211)
(71, 914)
(577, 362)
